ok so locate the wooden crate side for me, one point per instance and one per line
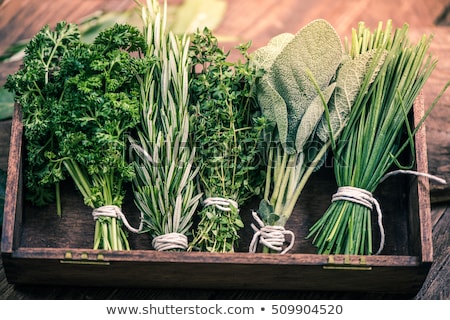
(31, 264)
(399, 274)
(92, 256)
(12, 214)
(421, 217)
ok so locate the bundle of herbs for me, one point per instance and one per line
(79, 103)
(38, 88)
(306, 94)
(165, 186)
(377, 134)
(226, 128)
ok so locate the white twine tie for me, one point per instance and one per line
(220, 203)
(273, 237)
(422, 174)
(170, 241)
(364, 198)
(115, 212)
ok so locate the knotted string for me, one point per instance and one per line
(422, 174)
(115, 212)
(170, 241)
(364, 198)
(220, 203)
(273, 237)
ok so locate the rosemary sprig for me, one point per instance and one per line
(164, 187)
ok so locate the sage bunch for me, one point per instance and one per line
(164, 187)
(306, 93)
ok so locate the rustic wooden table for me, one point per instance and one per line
(259, 21)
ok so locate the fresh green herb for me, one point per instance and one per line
(164, 187)
(372, 141)
(306, 93)
(100, 108)
(38, 88)
(226, 128)
(79, 102)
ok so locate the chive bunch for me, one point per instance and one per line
(374, 138)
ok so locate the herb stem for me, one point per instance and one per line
(305, 177)
(268, 175)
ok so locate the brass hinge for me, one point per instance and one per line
(84, 259)
(347, 264)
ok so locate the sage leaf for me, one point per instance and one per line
(311, 117)
(267, 95)
(315, 49)
(265, 56)
(350, 79)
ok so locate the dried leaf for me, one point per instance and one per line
(193, 15)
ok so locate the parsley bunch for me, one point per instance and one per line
(80, 101)
(38, 87)
(226, 128)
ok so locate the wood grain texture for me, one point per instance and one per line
(259, 21)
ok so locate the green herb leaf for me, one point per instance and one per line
(349, 81)
(315, 49)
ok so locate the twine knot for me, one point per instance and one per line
(273, 237)
(115, 212)
(220, 203)
(364, 198)
(170, 241)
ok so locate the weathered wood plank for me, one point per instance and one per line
(437, 284)
(5, 130)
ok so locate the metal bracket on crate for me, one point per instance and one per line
(84, 259)
(346, 264)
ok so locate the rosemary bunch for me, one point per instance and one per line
(372, 141)
(164, 186)
(227, 128)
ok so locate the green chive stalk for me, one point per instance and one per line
(372, 141)
(165, 183)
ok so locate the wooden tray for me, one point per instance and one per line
(40, 248)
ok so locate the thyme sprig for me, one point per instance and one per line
(226, 128)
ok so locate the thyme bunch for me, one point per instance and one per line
(226, 128)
